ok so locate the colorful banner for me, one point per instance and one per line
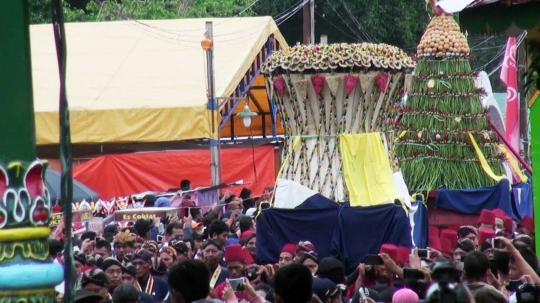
(509, 78)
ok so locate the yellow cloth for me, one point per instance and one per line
(483, 162)
(513, 163)
(367, 171)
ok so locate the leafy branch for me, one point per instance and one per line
(532, 75)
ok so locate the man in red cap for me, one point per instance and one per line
(303, 247)
(508, 227)
(499, 219)
(486, 220)
(287, 254)
(285, 257)
(235, 259)
(526, 226)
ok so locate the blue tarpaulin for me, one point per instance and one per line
(421, 225)
(348, 233)
(522, 200)
(516, 202)
(472, 201)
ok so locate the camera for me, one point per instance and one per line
(445, 289)
(527, 293)
(444, 272)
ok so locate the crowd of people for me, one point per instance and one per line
(211, 257)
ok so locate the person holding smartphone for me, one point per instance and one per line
(236, 261)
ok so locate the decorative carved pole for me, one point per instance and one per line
(28, 274)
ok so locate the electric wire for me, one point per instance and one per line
(276, 18)
(335, 26)
(279, 19)
(343, 21)
(362, 30)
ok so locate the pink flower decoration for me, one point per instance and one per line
(279, 84)
(318, 83)
(350, 83)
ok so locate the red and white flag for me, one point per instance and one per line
(509, 78)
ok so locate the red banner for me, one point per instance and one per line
(127, 174)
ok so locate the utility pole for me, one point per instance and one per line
(309, 22)
(208, 46)
(25, 214)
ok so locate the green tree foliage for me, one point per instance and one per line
(40, 11)
(113, 10)
(533, 71)
(397, 22)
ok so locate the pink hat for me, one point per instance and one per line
(391, 250)
(486, 217)
(508, 224)
(289, 248)
(246, 234)
(499, 213)
(446, 246)
(304, 246)
(435, 243)
(485, 234)
(405, 296)
(450, 235)
(528, 223)
(433, 231)
(403, 254)
(234, 253)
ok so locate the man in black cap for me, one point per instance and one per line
(156, 287)
(181, 248)
(332, 269)
(129, 276)
(113, 270)
(212, 255)
(95, 280)
(126, 293)
(469, 232)
(85, 296)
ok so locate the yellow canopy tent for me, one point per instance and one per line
(141, 81)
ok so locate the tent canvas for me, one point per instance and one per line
(127, 174)
(141, 81)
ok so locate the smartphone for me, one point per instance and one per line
(237, 284)
(373, 260)
(412, 274)
(494, 267)
(423, 253)
(496, 243)
(252, 274)
(159, 238)
(97, 239)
